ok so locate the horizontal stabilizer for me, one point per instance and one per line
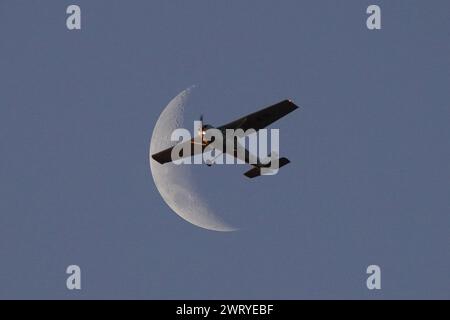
(253, 173)
(283, 162)
(256, 171)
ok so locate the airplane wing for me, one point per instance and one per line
(165, 156)
(262, 118)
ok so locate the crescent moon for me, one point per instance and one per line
(175, 183)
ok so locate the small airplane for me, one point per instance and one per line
(256, 121)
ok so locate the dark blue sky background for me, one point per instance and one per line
(368, 184)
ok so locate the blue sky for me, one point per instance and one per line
(369, 178)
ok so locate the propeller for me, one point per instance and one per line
(201, 126)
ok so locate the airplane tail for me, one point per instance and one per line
(256, 170)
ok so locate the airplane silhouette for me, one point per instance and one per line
(256, 121)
